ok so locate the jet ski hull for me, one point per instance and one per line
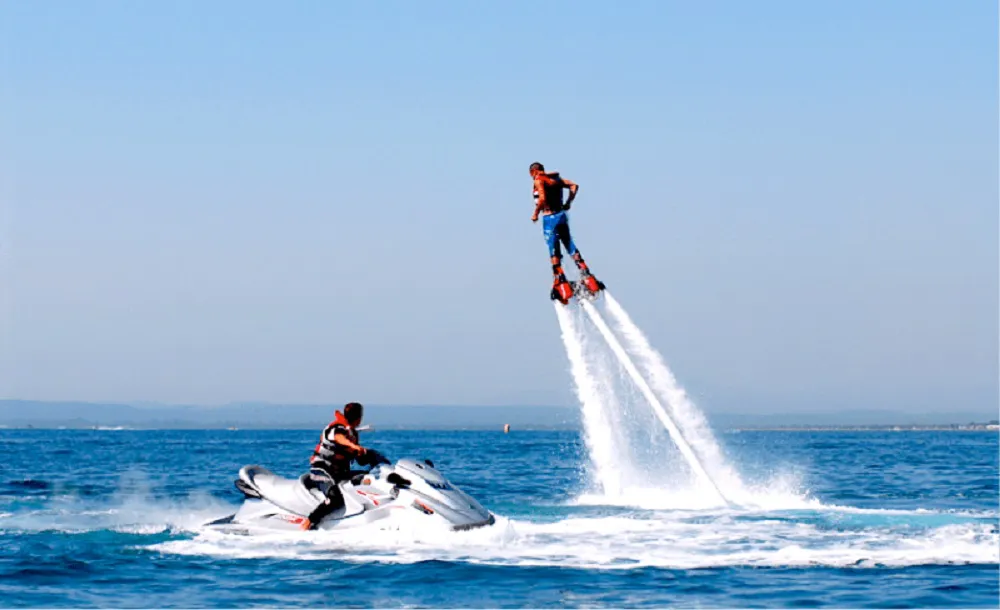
(389, 496)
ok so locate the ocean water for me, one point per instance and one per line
(840, 519)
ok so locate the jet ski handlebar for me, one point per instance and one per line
(372, 458)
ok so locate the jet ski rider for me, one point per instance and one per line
(331, 460)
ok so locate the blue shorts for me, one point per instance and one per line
(555, 227)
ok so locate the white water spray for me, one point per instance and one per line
(661, 413)
(688, 417)
(624, 387)
(597, 427)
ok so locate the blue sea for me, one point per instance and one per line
(113, 518)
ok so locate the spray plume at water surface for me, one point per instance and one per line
(597, 416)
(648, 443)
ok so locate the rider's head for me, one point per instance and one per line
(535, 169)
(353, 412)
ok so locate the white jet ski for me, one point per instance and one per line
(382, 497)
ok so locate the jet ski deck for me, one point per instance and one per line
(385, 495)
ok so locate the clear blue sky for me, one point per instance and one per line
(321, 202)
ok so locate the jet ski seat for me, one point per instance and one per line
(292, 495)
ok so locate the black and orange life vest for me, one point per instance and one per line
(553, 185)
(330, 455)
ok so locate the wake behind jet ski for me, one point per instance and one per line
(548, 194)
(388, 496)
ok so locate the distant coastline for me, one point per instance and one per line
(970, 427)
(952, 428)
(51, 415)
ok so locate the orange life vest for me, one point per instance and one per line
(330, 455)
(553, 185)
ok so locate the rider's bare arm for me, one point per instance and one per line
(341, 439)
(573, 188)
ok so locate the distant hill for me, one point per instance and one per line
(850, 417)
(40, 414)
(20, 413)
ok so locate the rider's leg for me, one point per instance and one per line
(550, 227)
(566, 237)
(334, 498)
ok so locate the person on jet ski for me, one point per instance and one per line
(331, 460)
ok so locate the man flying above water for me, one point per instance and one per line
(548, 194)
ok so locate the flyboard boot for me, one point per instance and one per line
(562, 290)
(587, 279)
